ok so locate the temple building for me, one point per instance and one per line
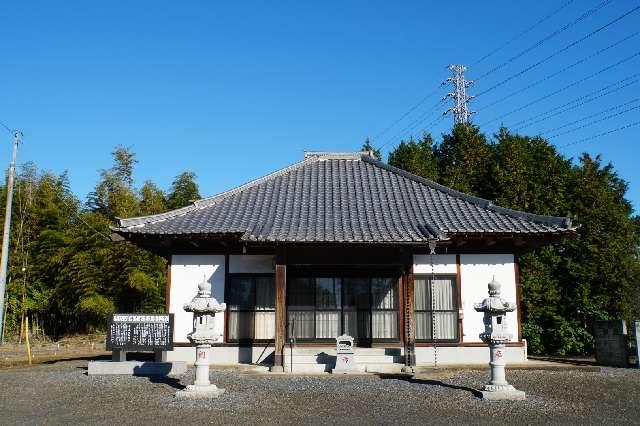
(340, 243)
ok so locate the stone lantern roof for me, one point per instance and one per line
(203, 303)
(494, 303)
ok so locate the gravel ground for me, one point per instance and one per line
(62, 393)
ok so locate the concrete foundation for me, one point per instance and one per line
(511, 395)
(136, 368)
(192, 392)
(322, 359)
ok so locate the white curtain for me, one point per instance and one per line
(240, 325)
(384, 324)
(327, 324)
(421, 294)
(265, 325)
(301, 324)
(423, 325)
(444, 299)
(356, 324)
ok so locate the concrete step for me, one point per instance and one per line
(358, 351)
(384, 368)
(324, 368)
(306, 368)
(326, 359)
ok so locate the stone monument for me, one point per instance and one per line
(495, 335)
(611, 343)
(345, 356)
(204, 308)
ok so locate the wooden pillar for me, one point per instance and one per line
(516, 265)
(281, 311)
(409, 317)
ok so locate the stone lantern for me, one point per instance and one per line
(496, 334)
(204, 308)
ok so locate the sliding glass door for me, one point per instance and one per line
(322, 308)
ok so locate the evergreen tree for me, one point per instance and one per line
(569, 284)
(183, 190)
(463, 159)
(366, 146)
(416, 157)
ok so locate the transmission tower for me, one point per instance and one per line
(460, 109)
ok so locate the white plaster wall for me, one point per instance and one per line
(187, 271)
(250, 263)
(224, 355)
(442, 264)
(467, 355)
(476, 271)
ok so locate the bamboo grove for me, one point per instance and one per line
(65, 273)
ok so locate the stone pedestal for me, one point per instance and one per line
(204, 308)
(202, 388)
(498, 388)
(495, 335)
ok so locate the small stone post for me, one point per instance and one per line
(496, 335)
(204, 308)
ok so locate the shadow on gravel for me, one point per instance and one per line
(560, 360)
(165, 380)
(410, 379)
(78, 358)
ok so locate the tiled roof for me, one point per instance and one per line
(342, 197)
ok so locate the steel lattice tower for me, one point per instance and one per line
(460, 109)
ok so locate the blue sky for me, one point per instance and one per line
(233, 91)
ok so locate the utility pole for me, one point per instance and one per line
(7, 226)
(460, 109)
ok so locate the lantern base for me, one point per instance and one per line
(503, 395)
(199, 392)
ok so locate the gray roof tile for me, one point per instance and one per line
(342, 197)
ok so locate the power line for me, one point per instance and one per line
(575, 83)
(601, 134)
(413, 108)
(564, 49)
(435, 91)
(591, 123)
(6, 127)
(550, 76)
(414, 123)
(546, 38)
(590, 116)
(559, 109)
(540, 21)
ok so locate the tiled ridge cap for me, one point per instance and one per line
(484, 203)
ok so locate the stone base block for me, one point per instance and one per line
(136, 368)
(356, 372)
(199, 392)
(504, 395)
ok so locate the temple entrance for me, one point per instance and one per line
(321, 307)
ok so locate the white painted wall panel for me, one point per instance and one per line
(187, 271)
(251, 264)
(476, 271)
(442, 264)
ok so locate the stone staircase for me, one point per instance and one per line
(323, 359)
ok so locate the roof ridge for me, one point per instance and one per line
(337, 155)
(482, 202)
